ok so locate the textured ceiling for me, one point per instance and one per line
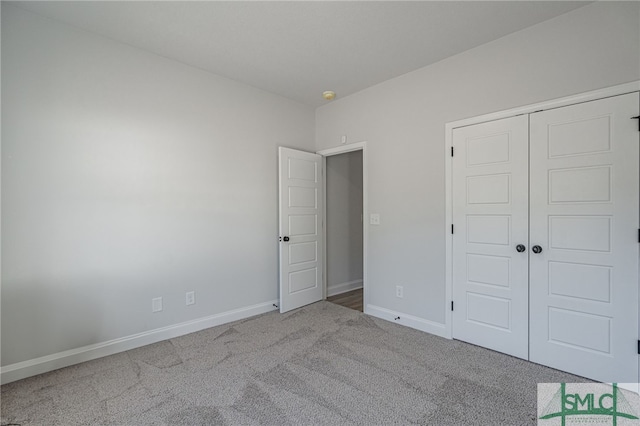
(300, 49)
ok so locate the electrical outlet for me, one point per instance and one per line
(399, 291)
(374, 219)
(190, 297)
(156, 304)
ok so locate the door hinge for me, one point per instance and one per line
(452, 305)
(637, 118)
(452, 229)
(638, 347)
(452, 151)
(639, 235)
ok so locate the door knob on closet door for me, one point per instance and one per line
(520, 248)
(285, 239)
(536, 249)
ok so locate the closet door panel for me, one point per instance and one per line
(584, 216)
(490, 218)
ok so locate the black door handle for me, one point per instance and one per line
(536, 249)
(520, 248)
(285, 239)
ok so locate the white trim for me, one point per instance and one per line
(325, 284)
(527, 109)
(448, 239)
(21, 370)
(407, 320)
(334, 290)
(343, 148)
(551, 104)
(358, 146)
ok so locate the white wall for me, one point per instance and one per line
(344, 222)
(403, 121)
(127, 176)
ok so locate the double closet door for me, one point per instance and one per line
(545, 244)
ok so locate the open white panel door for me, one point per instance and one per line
(301, 211)
(584, 237)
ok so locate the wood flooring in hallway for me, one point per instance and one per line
(351, 299)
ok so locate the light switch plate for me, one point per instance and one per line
(374, 219)
(156, 304)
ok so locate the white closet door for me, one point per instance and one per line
(584, 216)
(490, 202)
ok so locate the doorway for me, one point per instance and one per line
(344, 230)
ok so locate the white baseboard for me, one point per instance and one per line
(409, 320)
(24, 369)
(335, 289)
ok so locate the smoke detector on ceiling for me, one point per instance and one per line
(329, 95)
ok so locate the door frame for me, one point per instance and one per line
(526, 109)
(358, 146)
